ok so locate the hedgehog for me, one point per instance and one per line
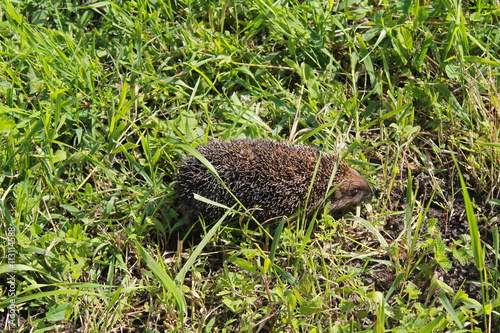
(270, 178)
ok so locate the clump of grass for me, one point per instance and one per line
(95, 99)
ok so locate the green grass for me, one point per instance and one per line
(99, 100)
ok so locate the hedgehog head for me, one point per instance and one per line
(352, 191)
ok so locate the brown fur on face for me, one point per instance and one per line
(272, 177)
(352, 191)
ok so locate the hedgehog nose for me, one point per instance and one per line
(376, 191)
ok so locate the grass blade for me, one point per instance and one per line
(179, 278)
(472, 221)
(165, 280)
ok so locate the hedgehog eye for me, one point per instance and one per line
(354, 192)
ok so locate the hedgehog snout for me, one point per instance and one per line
(361, 192)
(349, 195)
